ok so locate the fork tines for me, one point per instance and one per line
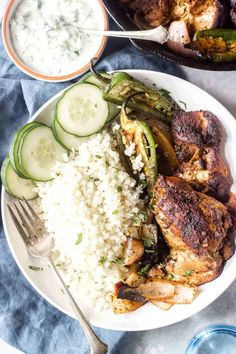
(26, 221)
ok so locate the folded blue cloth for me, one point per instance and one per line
(27, 321)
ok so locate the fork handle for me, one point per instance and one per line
(96, 345)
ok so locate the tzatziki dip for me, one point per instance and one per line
(44, 38)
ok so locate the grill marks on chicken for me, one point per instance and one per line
(196, 227)
(198, 137)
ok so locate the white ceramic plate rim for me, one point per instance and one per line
(221, 283)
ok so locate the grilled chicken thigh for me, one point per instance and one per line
(196, 228)
(198, 138)
(197, 14)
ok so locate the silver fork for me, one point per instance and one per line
(40, 244)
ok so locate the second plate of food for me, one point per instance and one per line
(115, 252)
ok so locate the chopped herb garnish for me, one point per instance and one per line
(118, 261)
(107, 163)
(143, 184)
(102, 260)
(164, 92)
(35, 268)
(135, 220)
(39, 4)
(77, 52)
(170, 277)
(98, 156)
(144, 270)
(188, 272)
(119, 189)
(79, 238)
(184, 104)
(115, 212)
(147, 242)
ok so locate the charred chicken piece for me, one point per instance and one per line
(198, 137)
(197, 14)
(155, 12)
(196, 228)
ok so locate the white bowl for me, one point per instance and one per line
(148, 316)
(100, 14)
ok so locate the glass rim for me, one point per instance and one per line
(213, 329)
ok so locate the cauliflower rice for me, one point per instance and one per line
(87, 209)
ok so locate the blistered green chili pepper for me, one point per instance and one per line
(218, 45)
(227, 34)
(138, 133)
(121, 85)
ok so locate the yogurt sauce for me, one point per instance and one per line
(43, 39)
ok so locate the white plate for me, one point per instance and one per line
(148, 316)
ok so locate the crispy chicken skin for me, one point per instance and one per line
(198, 138)
(196, 228)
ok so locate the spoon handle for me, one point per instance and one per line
(158, 34)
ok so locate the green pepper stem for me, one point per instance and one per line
(101, 78)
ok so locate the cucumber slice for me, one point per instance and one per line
(91, 79)
(39, 152)
(13, 153)
(67, 140)
(82, 110)
(16, 186)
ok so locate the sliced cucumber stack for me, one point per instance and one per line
(15, 185)
(38, 153)
(91, 79)
(82, 111)
(69, 141)
(14, 149)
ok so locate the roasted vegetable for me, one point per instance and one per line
(218, 45)
(138, 133)
(133, 251)
(134, 280)
(121, 85)
(162, 290)
(178, 37)
(152, 289)
(162, 305)
(123, 305)
(164, 144)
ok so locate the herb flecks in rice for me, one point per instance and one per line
(86, 198)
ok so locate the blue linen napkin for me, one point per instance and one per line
(27, 321)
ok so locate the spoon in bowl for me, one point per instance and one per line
(158, 34)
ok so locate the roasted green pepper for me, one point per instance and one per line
(138, 133)
(218, 45)
(121, 85)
